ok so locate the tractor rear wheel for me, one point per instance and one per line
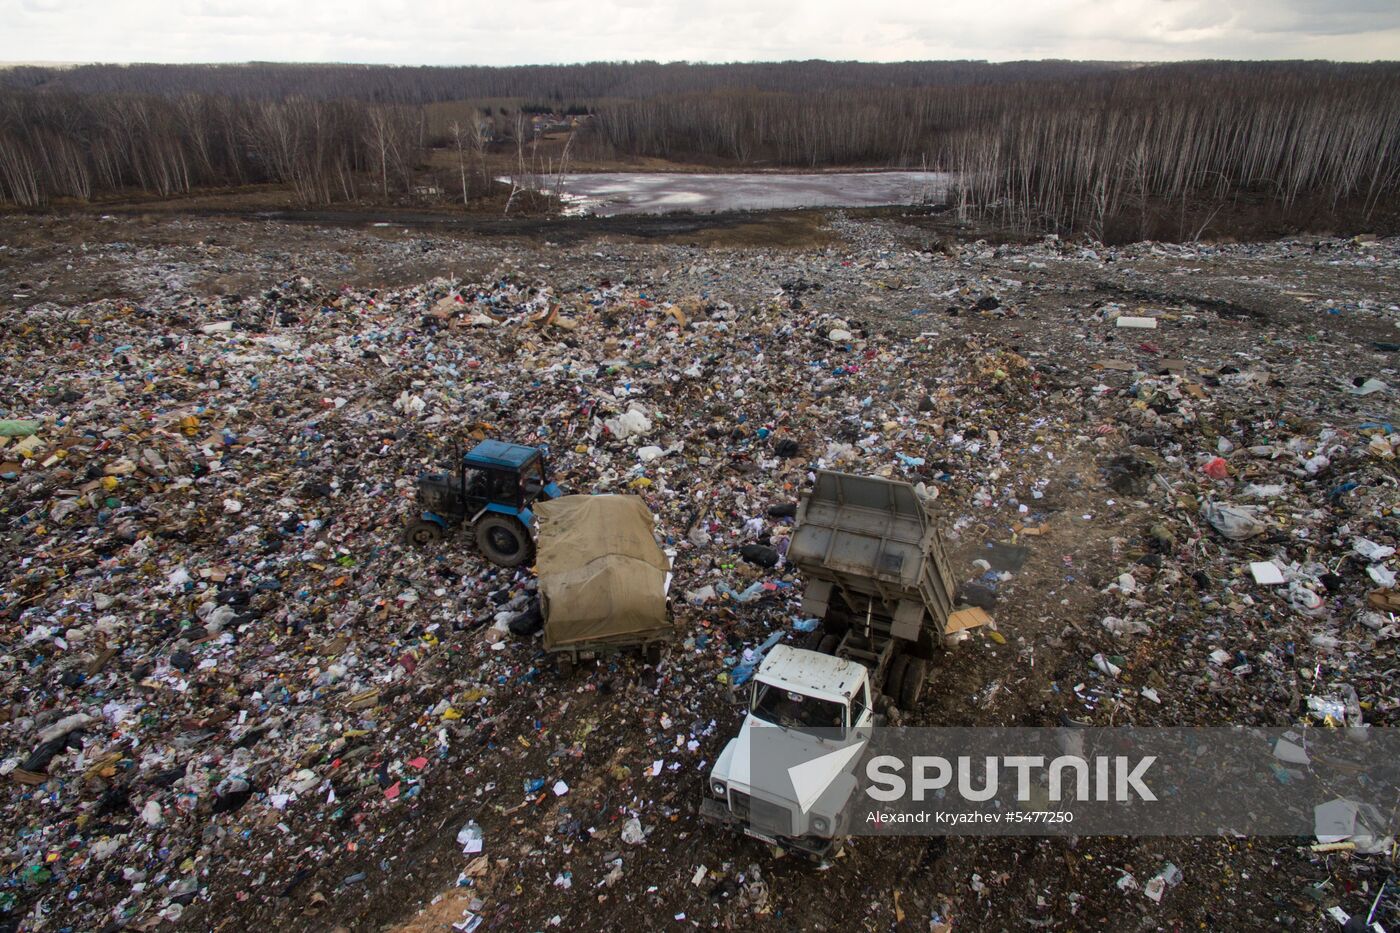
(503, 540)
(421, 533)
(828, 643)
(915, 674)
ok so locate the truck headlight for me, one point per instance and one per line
(718, 789)
(820, 825)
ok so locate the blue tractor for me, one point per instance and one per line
(491, 490)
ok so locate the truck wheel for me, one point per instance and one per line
(915, 674)
(653, 654)
(421, 533)
(503, 540)
(565, 665)
(828, 644)
(894, 678)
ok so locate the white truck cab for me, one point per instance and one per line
(787, 776)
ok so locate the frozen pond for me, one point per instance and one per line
(609, 193)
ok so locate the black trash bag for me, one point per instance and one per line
(760, 554)
(38, 760)
(975, 594)
(528, 622)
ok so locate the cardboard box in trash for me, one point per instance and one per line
(602, 576)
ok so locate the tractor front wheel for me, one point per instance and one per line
(421, 532)
(503, 540)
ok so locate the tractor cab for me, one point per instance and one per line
(491, 488)
(507, 475)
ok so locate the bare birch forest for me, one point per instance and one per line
(1065, 146)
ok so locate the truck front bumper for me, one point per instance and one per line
(713, 810)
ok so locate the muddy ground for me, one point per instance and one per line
(904, 281)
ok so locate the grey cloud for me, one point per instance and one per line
(448, 32)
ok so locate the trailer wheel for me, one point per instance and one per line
(894, 678)
(828, 644)
(564, 664)
(421, 533)
(915, 674)
(503, 540)
(653, 654)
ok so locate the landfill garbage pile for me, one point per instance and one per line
(234, 696)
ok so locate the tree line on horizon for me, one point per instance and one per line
(82, 146)
(565, 85)
(1048, 145)
(1066, 155)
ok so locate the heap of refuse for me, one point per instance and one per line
(233, 691)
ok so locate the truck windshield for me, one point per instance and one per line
(795, 710)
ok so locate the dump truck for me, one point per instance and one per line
(877, 576)
(490, 489)
(603, 579)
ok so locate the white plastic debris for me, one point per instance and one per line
(1124, 626)
(1236, 522)
(1343, 820)
(470, 837)
(1383, 575)
(1369, 387)
(1290, 752)
(1169, 877)
(64, 726)
(632, 423)
(632, 832)
(1106, 666)
(409, 403)
(1303, 599)
(1371, 550)
(1264, 490)
(1141, 323)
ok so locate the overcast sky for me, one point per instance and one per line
(507, 32)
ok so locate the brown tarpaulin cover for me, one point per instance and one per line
(602, 576)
